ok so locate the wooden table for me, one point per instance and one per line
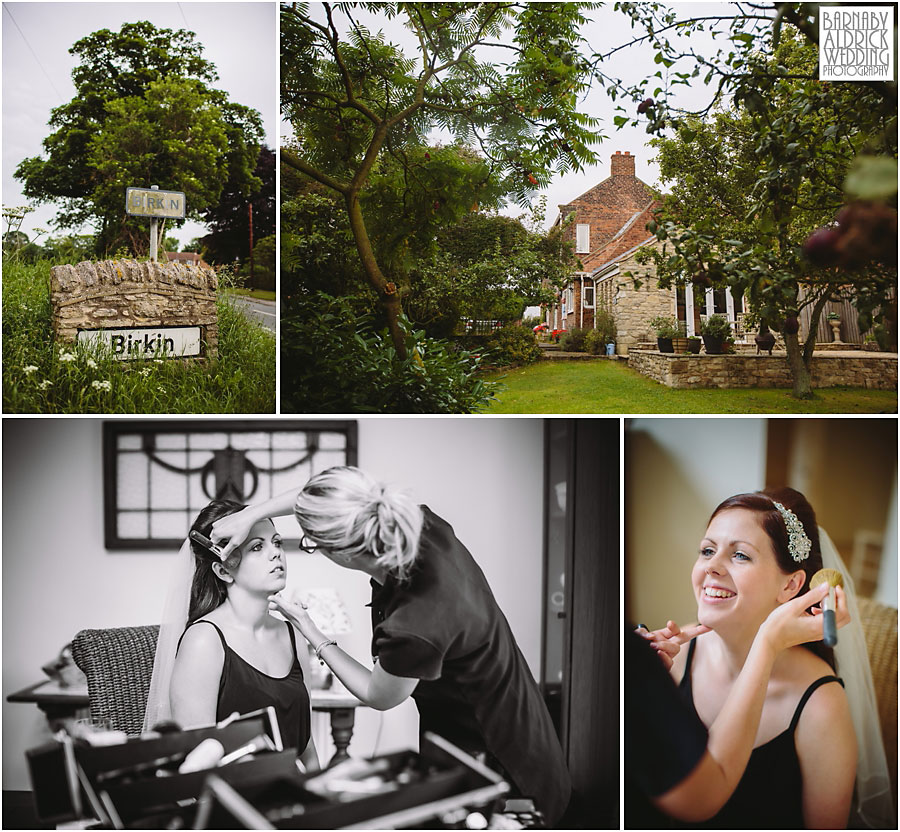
(60, 704)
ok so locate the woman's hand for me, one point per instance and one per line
(296, 613)
(667, 641)
(231, 531)
(790, 624)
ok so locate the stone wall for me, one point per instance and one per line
(126, 293)
(876, 371)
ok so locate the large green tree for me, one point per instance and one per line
(229, 218)
(753, 181)
(502, 78)
(141, 79)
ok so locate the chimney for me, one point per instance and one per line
(622, 164)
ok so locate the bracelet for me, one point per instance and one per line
(318, 650)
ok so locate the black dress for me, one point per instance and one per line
(444, 627)
(664, 738)
(770, 794)
(243, 688)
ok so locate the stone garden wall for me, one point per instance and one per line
(128, 293)
(877, 371)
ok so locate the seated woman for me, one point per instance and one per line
(233, 655)
(759, 552)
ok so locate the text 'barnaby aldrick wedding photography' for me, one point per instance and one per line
(856, 43)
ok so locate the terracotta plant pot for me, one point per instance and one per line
(680, 344)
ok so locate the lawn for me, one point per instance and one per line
(258, 294)
(611, 387)
(41, 376)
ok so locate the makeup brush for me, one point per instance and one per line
(833, 578)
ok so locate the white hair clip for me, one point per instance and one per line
(799, 544)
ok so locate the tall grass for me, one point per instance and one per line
(41, 376)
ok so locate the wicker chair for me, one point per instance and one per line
(118, 664)
(879, 624)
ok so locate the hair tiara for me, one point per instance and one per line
(799, 544)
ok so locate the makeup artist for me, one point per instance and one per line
(438, 634)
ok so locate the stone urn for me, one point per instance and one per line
(835, 330)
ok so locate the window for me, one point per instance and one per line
(158, 475)
(582, 239)
(570, 297)
(587, 297)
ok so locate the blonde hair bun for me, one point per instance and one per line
(346, 511)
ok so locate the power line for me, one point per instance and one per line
(46, 74)
(183, 17)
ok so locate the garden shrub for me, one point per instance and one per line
(605, 324)
(513, 346)
(573, 340)
(595, 343)
(333, 361)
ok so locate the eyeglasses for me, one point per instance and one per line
(306, 545)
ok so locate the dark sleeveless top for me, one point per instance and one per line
(243, 688)
(770, 794)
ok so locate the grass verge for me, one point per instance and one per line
(259, 294)
(610, 387)
(40, 376)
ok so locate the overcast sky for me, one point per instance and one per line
(239, 38)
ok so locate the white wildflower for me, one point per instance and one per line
(101, 385)
(45, 384)
(91, 363)
(30, 369)
(67, 356)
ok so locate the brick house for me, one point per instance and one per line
(609, 220)
(609, 226)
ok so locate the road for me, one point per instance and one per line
(261, 311)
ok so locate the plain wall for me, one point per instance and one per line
(676, 472)
(484, 476)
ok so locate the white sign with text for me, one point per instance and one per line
(145, 342)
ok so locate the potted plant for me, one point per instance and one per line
(715, 330)
(694, 344)
(666, 328)
(679, 340)
(834, 321)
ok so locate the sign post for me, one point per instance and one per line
(154, 203)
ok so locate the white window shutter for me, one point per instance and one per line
(582, 239)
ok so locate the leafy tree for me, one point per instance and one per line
(489, 267)
(229, 218)
(751, 183)
(140, 72)
(355, 99)
(196, 246)
(263, 264)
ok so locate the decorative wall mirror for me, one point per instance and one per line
(157, 475)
